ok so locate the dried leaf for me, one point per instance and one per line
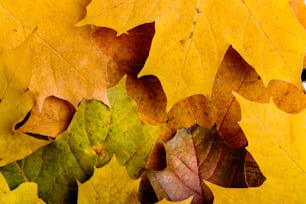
(127, 52)
(193, 157)
(65, 62)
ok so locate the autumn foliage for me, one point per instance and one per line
(191, 101)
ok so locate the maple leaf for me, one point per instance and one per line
(222, 109)
(15, 102)
(192, 157)
(109, 186)
(125, 134)
(192, 37)
(277, 142)
(25, 193)
(95, 133)
(126, 53)
(235, 74)
(65, 62)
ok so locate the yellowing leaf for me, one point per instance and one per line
(110, 184)
(25, 193)
(65, 62)
(277, 141)
(15, 102)
(192, 37)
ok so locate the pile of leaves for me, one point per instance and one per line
(191, 101)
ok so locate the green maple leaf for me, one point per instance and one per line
(95, 133)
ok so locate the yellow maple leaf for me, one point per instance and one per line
(192, 37)
(25, 193)
(15, 102)
(65, 62)
(223, 110)
(277, 142)
(109, 184)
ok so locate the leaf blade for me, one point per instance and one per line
(281, 147)
(95, 133)
(279, 44)
(109, 186)
(16, 101)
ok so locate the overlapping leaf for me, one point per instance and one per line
(192, 37)
(193, 157)
(235, 74)
(56, 167)
(191, 40)
(95, 133)
(127, 52)
(65, 62)
(278, 145)
(222, 109)
(15, 102)
(25, 193)
(109, 184)
(150, 98)
(51, 120)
